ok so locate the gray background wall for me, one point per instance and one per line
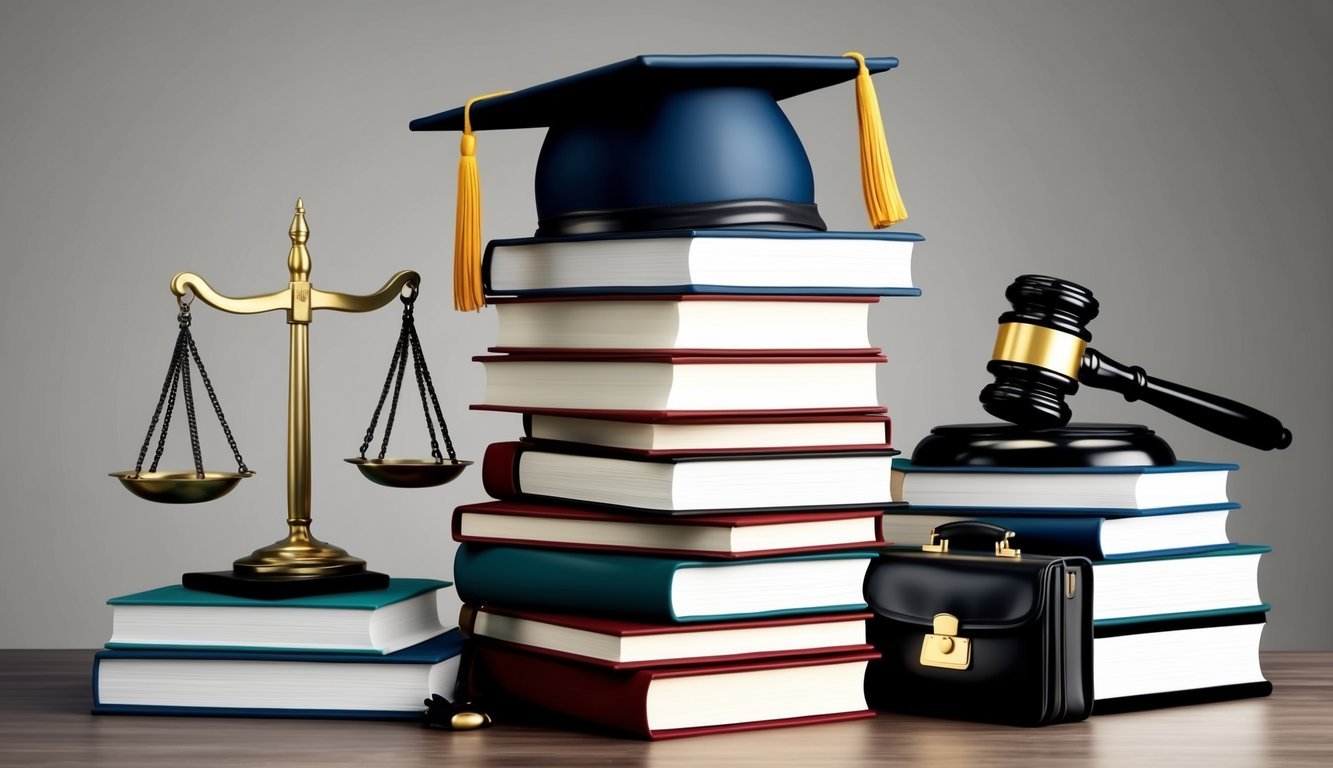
(1174, 157)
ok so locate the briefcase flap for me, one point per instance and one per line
(982, 591)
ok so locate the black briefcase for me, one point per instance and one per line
(997, 636)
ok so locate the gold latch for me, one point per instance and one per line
(941, 546)
(936, 544)
(945, 648)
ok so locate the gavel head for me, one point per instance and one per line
(1038, 351)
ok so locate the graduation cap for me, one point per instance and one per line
(668, 142)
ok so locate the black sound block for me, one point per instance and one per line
(1073, 445)
(282, 587)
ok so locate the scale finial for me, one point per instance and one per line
(298, 259)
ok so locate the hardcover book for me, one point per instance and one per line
(660, 589)
(726, 433)
(377, 622)
(704, 261)
(1110, 490)
(689, 484)
(668, 383)
(627, 644)
(1187, 659)
(685, 323)
(1091, 536)
(276, 684)
(671, 702)
(750, 534)
(1212, 580)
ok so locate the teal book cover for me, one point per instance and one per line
(647, 587)
(397, 591)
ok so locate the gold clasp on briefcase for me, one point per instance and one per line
(945, 648)
(940, 545)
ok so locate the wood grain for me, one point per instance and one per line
(44, 721)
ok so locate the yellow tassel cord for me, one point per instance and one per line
(883, 201)
(468, 296)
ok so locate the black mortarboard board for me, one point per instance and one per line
(670, 142)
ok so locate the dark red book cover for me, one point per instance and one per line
(501, 462)
(877, 413)
(610, 354)
(526, 509)
(617, 700)
(617, 627)
(678, 357)
(684, 417)
(877, 418)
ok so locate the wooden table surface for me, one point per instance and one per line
(44, 721)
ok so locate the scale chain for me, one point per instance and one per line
(178, 372)
(167, 386)
(171, 401)
(217, 407)
(384, 394)
(417, 365)
(189, 408)
(397, 388)
(409, 344)
(423, 373)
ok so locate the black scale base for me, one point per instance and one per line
(282, 587)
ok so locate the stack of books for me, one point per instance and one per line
(369, 655)
(678, 541)
(1176, 609)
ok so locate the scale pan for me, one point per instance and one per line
(180, 487)
(409, 473)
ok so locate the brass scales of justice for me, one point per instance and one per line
(298, 564)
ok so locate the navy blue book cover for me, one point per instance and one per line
(433, 651)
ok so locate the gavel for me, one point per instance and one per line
(1042, 355)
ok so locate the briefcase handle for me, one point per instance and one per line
(972, 530)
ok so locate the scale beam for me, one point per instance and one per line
(188, 282)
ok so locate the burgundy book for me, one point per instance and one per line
(689, 485)
(612, 353)
(617, 643)
(671, 702)
(728, 536)
(715, 434)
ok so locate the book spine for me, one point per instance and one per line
(565, 581)
(602, 697)
(499, 470)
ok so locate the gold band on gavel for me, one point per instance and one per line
(1043, 347)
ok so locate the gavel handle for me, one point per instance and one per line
(1216, 414)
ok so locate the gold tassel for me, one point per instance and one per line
(468, 295)
(883, 201)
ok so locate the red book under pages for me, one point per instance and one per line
(719, 434)
(671, 702)
(618, 643)
(689, 485)
(726, 536)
